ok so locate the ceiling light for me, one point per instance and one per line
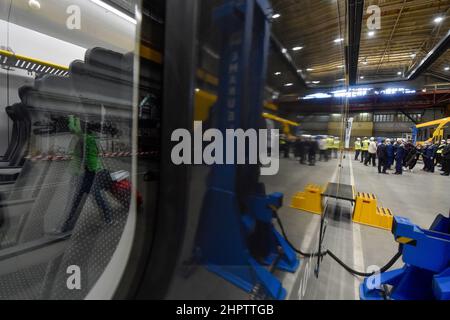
(197, 90)
(447, 68)
(288, 84)
(362, 77)
(339, 80)
(299, 70)
(371, 33)
(316, 82)
(284, 50)
(399, 73)
(277, 73)
(34, 4)
(438, 20)
(338, 40)
(114, 10)
(340, 67)
(297, 48)
(413, 55)
(424, 90)
(310, 69)
(276, 16)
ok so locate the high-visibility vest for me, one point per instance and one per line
(440, 149)
(357, 145)
(336, 144)
(365, 145)
(330, 143)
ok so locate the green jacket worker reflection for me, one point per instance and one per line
(85, 166)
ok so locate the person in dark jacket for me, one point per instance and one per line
(438, 158)
(390, 154)
(409, 152)
(284, 145)
(414, 157)
(428, 157)
(313, 147)
(382, 155)
(431, 155)
(302, 149)
(399, 157)
(446, 159)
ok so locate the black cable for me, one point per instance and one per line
(283, 232)
(364, 274)
(333, 256)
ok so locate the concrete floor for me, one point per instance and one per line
(419, 196)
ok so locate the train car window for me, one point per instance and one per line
(245, 79)
(70, 108)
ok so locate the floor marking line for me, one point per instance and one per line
(358, 258)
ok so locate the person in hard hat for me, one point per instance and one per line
(390, 154)
(364, 149)
(323, 154)
(428, 156)
(336, 146)
(358, 147)
(438, 159)
(382, 157)
(330, 144)
(371, 153)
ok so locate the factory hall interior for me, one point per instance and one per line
(225, 150)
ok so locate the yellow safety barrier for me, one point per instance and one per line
(309, 200)
(366, 212)
(386, 218)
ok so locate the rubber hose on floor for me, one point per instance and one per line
(333, 256)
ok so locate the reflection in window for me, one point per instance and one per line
(66, 172)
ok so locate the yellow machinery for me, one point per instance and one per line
(286, 123)
(433, 131)
(205, 100)
(366, 212)
(309, 200)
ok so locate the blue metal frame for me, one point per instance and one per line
(414, 131)
(236, 208)
(426, 273)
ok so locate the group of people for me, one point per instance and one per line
(400, 153)
(306, 148)
(404, 154)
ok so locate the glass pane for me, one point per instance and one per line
(68, 88)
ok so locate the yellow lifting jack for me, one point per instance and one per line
(365, 210)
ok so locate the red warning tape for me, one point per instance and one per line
(44, 157)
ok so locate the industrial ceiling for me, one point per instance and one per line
(326, 38)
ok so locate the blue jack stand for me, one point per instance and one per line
(236, 238)
(426, 273)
